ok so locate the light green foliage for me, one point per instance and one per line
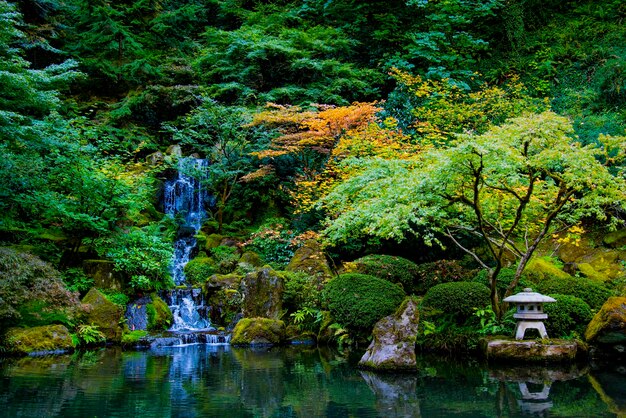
(569, 314)
(89, 334)
(308, 319)
(457, 299)
(274, 242)
(517, 181)
(143, 254)
(357, 301)
(490, 325)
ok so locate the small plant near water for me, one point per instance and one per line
(307, 319)
(489, 323)
(88, 335)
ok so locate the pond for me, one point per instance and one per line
(299, 381)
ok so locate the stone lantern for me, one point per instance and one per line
(529, 312)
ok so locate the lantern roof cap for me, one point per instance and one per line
(528, 296)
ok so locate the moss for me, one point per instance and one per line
(250, 331)
(103, 313)
(213, 240)
(609, 323)
(45, 338)
(159, 314)
(310, 259)
(615, 239)
(588, 271)
(200, 269)
(540, 269)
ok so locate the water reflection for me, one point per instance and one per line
(206, 380)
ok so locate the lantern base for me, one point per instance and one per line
(522, 326)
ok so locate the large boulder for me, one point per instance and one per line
(258, 331)
(223, 296)
(393, 343)
(608, 326)
(104, 314)
(262, 293)
(48, 338)
(310, 259)
(103, 274)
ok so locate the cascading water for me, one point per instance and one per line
(184, 199)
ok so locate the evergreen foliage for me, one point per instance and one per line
(357, 301)
(457, 299)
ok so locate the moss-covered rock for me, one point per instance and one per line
(608, 325)
(103, 274)
(213, 240)
(264, 331)
(262, 293)
(249, 261)
(541, 269)
(223, 296)
(104, 314)
(393, 340)
(588, 271)
(38, 339)
(310, 259)
(159, 314)
(615, 239)
(537, 351)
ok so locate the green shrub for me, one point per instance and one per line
(392, 268)
(76, 280)
(441, 271)
(301, 290)
(225, 258)
(198, 270)
(569, 314)
(457, 299)
(28, 279)
(594, 294)
(505, 278)
(357, 301)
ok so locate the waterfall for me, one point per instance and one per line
(184, 200)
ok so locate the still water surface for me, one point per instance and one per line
(223, 381)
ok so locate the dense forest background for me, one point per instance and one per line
(284, 98)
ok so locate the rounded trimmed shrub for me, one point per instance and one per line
(457, 298)
(437, 272)
(392, 268)
(567, 314)
(357, 301)
(593, 293)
